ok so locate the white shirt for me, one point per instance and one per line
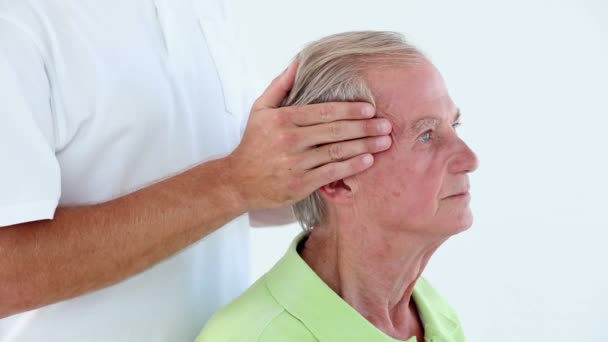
(100, 98)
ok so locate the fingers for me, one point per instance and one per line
(344, 150)
(331, 111)
(342, 130)
(332, 172)
(277, 90)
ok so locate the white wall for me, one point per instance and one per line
(531, 80)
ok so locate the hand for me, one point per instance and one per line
(289, 152)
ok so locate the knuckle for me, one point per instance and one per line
(326, 112)
(257, 105)
(336, 152)
(336, 130)
(281, 117)
(287, 139)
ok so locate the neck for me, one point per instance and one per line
(372, 269)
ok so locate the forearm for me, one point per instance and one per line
(87, 248)
(277, 163)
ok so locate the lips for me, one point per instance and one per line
(464, 192)
(460, 194)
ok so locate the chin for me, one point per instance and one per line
(463, 222)
(457, 224)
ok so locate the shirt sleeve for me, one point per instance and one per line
(30, 181)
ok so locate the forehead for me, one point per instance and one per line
(408, 94)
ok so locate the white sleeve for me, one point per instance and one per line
(30, 180)
(249, 97)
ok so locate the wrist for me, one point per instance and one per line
(231, 186)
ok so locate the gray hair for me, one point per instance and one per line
(332, 69)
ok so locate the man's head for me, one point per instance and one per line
(413, 184)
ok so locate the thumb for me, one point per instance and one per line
(278, 89)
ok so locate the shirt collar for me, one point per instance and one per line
(296, 287)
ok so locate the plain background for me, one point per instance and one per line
(531, 79)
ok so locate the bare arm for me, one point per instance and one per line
(278, 162)
(90, 247)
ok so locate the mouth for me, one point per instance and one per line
(460, 195)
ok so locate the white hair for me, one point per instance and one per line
(333, 69)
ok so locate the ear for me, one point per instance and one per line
(337, 192)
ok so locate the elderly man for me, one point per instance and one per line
(354, 274)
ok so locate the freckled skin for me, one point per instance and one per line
(419, 175)
(383, 225)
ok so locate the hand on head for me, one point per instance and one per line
(288, 152)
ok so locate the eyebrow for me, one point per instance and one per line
(430, 121)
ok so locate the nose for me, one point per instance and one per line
(465, 160)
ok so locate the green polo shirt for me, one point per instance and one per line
(291, 303)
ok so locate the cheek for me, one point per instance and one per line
(375, 184)
(376, 189)
(418, 201)
(418, 178)
(401, 188)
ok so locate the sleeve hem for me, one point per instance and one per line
(27, 212)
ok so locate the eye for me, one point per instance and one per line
(456, 125)
(426, 136)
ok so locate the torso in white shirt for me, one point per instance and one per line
(137, 91)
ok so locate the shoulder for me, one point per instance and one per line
(43, 23)
(442, 319)
(285, 327)
(33, 16)
(254, 317)
(435, 299)
(425, 288)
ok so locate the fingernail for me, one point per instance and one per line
(368, 111)
(383, 142)
(385, 126)
(368, 159)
